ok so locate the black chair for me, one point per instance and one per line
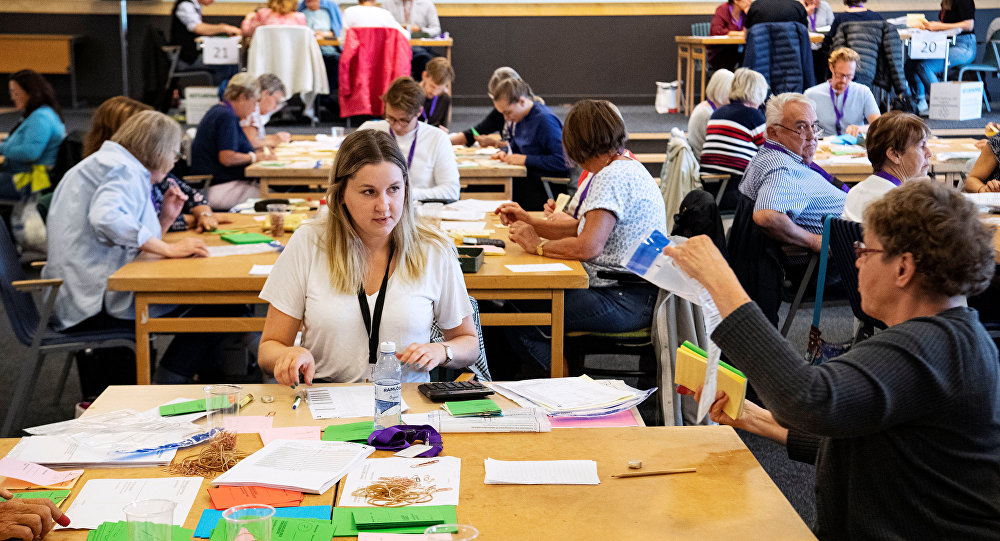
(843, 233)
(989, 64)
(33, 331)
(480, 368)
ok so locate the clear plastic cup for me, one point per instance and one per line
(276, 212)
(248, 522)
(221, 401)
(451, 532)
(150, 520)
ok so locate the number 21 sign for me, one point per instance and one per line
(217, 50)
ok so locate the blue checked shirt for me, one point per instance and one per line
(779, 180)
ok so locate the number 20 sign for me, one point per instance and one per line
(926, 45)
(221, 50)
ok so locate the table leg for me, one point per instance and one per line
(703, 58)
(265, 192)
(689, 84)
(559, 365)
(947, 49)
(143, 374)
(680, 64)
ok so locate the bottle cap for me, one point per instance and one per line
(387, 347)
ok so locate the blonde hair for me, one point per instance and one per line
(844, 54)
(346, 254)
(152, 137)
(108, 118)
(241, 85)
(282, 7)
(748, 87)
(440, 70)
(718, 87)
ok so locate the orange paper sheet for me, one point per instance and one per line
(9, 483)
(225, 497)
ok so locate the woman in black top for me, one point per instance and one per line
(921, 74)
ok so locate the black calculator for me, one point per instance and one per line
(454, 390)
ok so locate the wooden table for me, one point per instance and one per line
(447, 43)
(729, 497)
(312, 181)
(692, 48)
(45, 53)
(226, 280)
(860, 168)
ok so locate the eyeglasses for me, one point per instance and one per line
(801, 129)
(399, 121)
(860, 249)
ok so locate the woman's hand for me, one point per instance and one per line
(422, 357)
(173, 203)
(512, 212)
(991, 186)
(27, 519)
(206, 221)
(525, 236)
(187, 247)
(293, 361)
(487, 141)
(513, 159)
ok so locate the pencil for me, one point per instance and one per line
(648, 473)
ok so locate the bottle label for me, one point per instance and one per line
(387, 397)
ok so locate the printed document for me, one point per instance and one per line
(103, 500)
(303, 465)
(541, 472)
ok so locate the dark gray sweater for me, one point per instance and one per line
(907, 424)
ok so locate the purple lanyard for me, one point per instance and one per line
(890, 177)
(836, 111)
(737, 22)
(711, 104)
(427, 116)
(413, 145)
(811, 165)
(583, 195)
(812, 20)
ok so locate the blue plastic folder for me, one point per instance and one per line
(210, 517)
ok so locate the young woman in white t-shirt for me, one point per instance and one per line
(367, 257)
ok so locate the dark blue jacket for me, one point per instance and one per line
(539, 137)
(781, 53)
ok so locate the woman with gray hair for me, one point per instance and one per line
(913, 410)
(272, 97)
(221, 147)
(102, 217)
(716, 95)
(736, 130)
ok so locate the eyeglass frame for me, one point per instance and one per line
(860, 249)
(816, 129)
(399, 121)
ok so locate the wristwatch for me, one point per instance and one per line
(538, 249)
(253, 157)
(448, 355)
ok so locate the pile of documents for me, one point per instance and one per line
(350, 521)
(62, 452)
(579, 396)
(226, 497)
(210, 518)
(343, 402)
(692, 362)
(509, 420)
(307, 466)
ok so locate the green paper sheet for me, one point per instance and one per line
(343, 519)
(246, 238)
(192, 406)
(118, 531)
(484, 406)
(371, 518)
(284, 529)
(704, 354)
(57, 496)
(356, 432)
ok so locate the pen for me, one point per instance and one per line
(429, 462)
(474, 132)
(648, 473)
(298, 400)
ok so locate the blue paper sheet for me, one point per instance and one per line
(210, 517)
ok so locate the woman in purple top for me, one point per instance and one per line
(728, 21)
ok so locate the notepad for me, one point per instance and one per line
(246, 238)
(356, 432)
(343, 519)
(690, 372)
(472, 408)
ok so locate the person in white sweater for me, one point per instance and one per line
(429, 156)
(716, 95)
(367, 15)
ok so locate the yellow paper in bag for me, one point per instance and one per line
(690, 372)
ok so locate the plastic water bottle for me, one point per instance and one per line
(387, 387)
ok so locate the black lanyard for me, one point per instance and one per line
(379, 301)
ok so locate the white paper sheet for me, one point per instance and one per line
(543, 267)
(541, 472)
(446, 473)
(512, 420)
(239, 249)
(343, 402)
(261, 270)
(307, 466)
(566, 393)
(103, 500)
(464, 226)
(59, 451)
(475, 205)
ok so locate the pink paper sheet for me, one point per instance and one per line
(249, 423)
(291, 433)
(35, 473)
(624, 418)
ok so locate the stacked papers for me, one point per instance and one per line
(541, 472)
(343, 402)
(510, 420)
(61, 452)
(307, 466)
(580, 396)
(690, 372)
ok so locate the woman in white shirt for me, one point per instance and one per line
(429, 157)
(367, 15)
(716, 95)
(365, 274)
(897, 148)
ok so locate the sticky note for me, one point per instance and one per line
(357, 432)
(246, 238)
(343, 519)
(192, 406)
(376, 518)
(57, 496)
(210, 517)
(483, 407)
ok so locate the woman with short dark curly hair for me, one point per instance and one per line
(906, 423)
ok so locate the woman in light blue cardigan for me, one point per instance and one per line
(35, 139)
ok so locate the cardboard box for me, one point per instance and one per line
(197, 101)
(956, 100)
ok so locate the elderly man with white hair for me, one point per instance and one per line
(792, 194)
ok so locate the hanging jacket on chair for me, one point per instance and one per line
(881, 51)
(781, 53)
(372, 59)
(679, 174)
